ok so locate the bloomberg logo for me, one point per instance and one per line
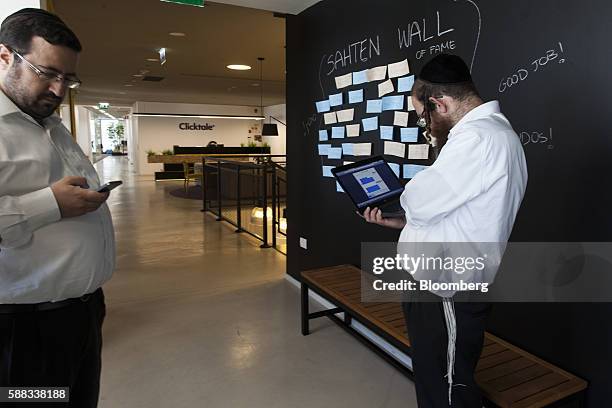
(195, 126)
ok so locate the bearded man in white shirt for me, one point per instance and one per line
(471, 194)
(56, 236)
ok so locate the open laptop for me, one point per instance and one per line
(372, 183)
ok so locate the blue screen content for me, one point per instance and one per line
(370, 183)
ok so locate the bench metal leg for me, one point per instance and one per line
(347, 319)
(305, 319)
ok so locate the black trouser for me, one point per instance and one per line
(55, 348)
(429, 340)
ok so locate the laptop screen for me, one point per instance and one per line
(370, 183)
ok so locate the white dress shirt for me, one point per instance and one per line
(42, 256)
(474, 189)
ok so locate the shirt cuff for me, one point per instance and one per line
(40, 208)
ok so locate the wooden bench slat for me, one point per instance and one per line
(500, 370)
(550, 395)
(491, 349)
(496, 359)
(533, 386)
(506, 382)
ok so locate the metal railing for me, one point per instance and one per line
(253, 186)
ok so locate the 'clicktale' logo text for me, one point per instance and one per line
(196, 126)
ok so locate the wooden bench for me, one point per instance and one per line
(508, 376)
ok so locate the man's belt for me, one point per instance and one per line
(47, 306)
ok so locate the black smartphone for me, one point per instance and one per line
(109, 186)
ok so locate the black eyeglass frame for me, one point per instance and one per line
(71, 82)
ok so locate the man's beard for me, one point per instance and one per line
(38, 106)
(440, 129)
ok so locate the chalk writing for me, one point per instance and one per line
(537, 65)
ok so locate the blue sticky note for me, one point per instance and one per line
(395, 102)
(323, 106)
(409, 135)
(335, 100)
(370, 123)
(374, 106)
(396, 168)
(338, 132)
(327, 171)
(347, 149)
(334, 153)
(324, 149)
(323, 136)
(339, 188)
(356, 96)
(410, 170)
(386, 132)
(360, 77)
(405, 84)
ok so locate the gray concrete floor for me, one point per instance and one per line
(198, 316)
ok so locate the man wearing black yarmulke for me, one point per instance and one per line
(471, 194)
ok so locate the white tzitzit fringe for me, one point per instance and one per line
(451, 328)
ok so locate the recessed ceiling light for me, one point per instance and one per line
(152, 59)
(177, 34)
(129, 85)
(138, 75)
(255, 84)
(239, 67)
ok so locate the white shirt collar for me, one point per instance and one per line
(8, 107)
(481, 111)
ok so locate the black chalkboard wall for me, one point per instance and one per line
(559, 104)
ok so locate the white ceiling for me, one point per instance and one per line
(119, 35)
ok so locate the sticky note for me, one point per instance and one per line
(377, 74)
(353, 130)
(323, 136)
(360, 77)
(410, 170)
(335, 100)
(337, 132)
(399, 69)
(345, 115)
(339, 188)
(327, 171)
(324, 149)
(344, 80)
(330, 118)
(400, 119)
(395, 102)
(356, 96)
(362, 149)
(409, 135)
(386, 132)
(405, 84)
(334, 153)
(347, 148)
(323, 106)
(385, 88)
(418, 152)
(396, 168)
(374, 106)
(370, 124)
(395, 149)
(410, 105)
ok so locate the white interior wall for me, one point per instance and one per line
(8, 7)
(278, 144)
(83, 130)
(161, 133)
